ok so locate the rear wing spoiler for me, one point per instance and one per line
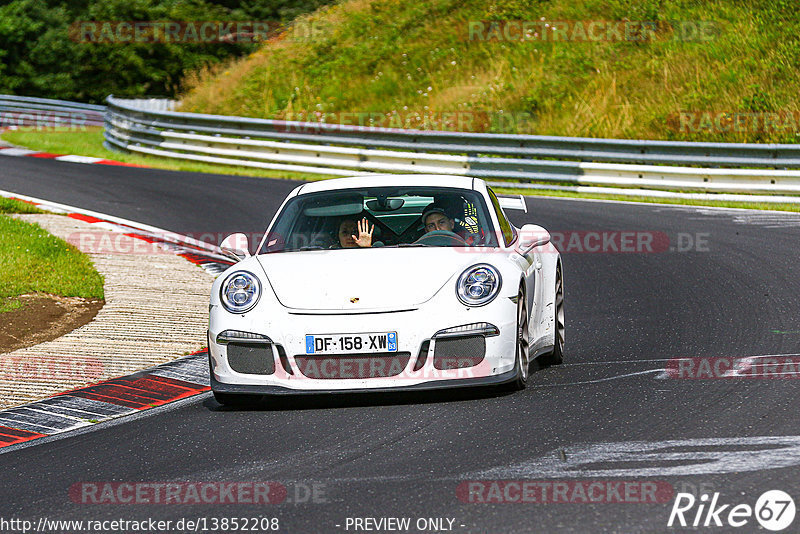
(513, 203)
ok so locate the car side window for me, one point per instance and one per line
(505, 226)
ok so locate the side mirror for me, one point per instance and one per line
(236, 247)
(532, 236)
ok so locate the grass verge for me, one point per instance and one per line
(8, 205)
(652, 200)
(34, 261)
(10, 304)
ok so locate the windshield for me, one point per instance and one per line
(392, 216)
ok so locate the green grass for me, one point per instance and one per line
(9, 252)
(8, 205)
(407, 59)
(34, 261)
(89, 142)
(652, 200)
(9, 304)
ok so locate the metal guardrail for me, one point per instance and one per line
(152, 104)
(25, 111)
(528, 146)
(21, 111)
(335, 149)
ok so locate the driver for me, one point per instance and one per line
(435, 217)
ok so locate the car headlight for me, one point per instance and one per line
(478, 285)
(240, 292)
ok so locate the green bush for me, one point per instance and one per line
(39, 58)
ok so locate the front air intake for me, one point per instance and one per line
(458, 352)
(251, 358)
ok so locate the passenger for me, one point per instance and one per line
(354, 234)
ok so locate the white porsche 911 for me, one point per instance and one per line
(385, 283)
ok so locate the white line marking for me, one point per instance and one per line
(17, 152)
(14, 421)
(598, 380)
(65, 411)
(38, 409)
(668, 360)
(78, 159)
(753, 454)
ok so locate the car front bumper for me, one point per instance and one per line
(415, 329)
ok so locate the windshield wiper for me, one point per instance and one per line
(404, 245)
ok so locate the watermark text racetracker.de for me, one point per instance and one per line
(197, 493)
(565, 242)
(65, 367)
(564, 491)
(615, 242)
(591, 31)
(49, 120)
(779, 366)
(735, 122)
(630, 241)
(319, 122)
(124, 32)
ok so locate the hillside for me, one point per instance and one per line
(723, 70)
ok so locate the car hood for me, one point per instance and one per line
(355, 280)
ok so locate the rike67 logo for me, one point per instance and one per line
(774, 510)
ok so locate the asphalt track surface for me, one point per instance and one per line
(405, 455)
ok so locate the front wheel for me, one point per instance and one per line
(522, 356)
(556, 357)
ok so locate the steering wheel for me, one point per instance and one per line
(441, 238)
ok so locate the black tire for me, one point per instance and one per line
(235, 400)
(522, 355)
(556, 356)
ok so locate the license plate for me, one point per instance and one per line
(351, 343)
